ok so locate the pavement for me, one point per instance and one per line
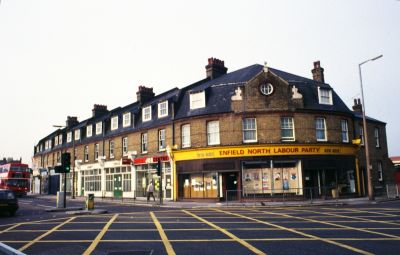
(203, 204)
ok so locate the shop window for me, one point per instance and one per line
(345, 131)
(376, 135)
(320, 128)
(213, 133)
(126, 183)
(200, 185)
(287, 129)
(92, 181)
(249, 127)
(185, 136)
(109, 182)
(144, 143)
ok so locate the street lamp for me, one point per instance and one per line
(369, 176)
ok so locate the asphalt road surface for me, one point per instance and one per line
(368, 229)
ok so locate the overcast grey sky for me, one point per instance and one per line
(58, 58)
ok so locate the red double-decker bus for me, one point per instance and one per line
(15, 176)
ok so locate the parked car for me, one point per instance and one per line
(8, 202)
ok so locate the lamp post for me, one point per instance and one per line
(369, 176)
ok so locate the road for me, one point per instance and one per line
(366, 229)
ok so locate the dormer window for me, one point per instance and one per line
(69, 137)
(126, 119)
(77, 134)
(99, 128)
(163, 109)
(89, 130)
(114, 123)
(146, 114)
(197, 100)
(60, 139)
(325, 96)
(56, 141)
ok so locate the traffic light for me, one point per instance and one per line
(159, 167)
(66, 162)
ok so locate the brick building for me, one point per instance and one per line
(256, 131)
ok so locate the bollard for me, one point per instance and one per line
(90, 202)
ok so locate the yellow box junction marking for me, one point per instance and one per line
(298, 232)
(45, 234)
(163, 236)
(96, 241)
(351, 217)
(241, 241)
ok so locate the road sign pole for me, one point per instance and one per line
(65, 189)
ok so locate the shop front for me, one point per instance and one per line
(146, 171)
(266, 171)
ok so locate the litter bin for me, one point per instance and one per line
(90, 202)
(335, 193)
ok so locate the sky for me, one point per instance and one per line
(59, 58)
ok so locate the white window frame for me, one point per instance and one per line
(89, 130)
(318, 128)
(86, 153)
(125, 146)
(60, 137)
(144, 142)
(376, 135)
(146, 113)
(185, 136)
(289, 125)
(99, 128)
(197, 100)
(161, 140)
(96, 151)
(163, 109)
(380, 171)
(126, 119)
(69, 137)
(322, 97)
(362, 135)
(77, 134)
(56, 141)
(111, 148)
(114, 123)
(213, 137)
(344, 131)
(249, 128)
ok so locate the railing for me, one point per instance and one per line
(291, 194)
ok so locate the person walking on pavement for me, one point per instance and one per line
(150, 191)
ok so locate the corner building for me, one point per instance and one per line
(254, 132)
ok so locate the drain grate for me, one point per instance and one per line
(132, 252)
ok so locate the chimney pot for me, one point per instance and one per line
(318, 72)
(215, 68)
(144, 94)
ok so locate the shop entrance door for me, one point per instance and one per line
(117, 186)
(319, 182)
(230, 186)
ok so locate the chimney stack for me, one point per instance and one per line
(357, 107)
(144, 94)
(318, 72)
(99, 109)
(215, 68)
(72, 121)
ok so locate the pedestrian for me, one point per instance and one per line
(150, 190)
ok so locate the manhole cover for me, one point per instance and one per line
(136, 252)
